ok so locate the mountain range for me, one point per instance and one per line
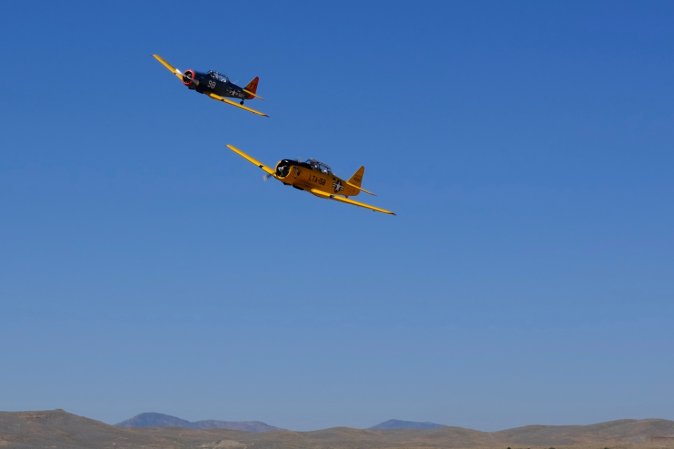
(57, 429)
(393, 424)
(158, 420)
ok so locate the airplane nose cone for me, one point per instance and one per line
(189, 78)
(282, 169)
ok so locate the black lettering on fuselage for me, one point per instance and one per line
(317, 179)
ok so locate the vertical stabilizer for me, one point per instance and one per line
(251, 88)
(352, 187)
(357, 178)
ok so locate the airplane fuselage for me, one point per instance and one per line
(305, 176)
(211, 82)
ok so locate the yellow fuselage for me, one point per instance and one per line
(305, 177)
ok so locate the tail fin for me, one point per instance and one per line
(352, 187)
(354, 182)
(357, 178)
(251, 87)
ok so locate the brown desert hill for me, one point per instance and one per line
(349, 438)
(58, 429)
(624, 430)
(449, 437)
(446, 437)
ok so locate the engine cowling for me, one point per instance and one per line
(190, 78)
(283, 168)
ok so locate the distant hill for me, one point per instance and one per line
(398, 424)
(146, 420)
(160, 420)
(623, 430)
(57, 429)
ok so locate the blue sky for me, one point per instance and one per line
(526, 146)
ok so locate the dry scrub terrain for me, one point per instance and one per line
(61, 430)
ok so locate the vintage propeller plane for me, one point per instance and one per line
(216, 85)
(315, 177)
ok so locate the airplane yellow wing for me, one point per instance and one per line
(169, 67)
(252, 160)
(234, 103)
(330, 196)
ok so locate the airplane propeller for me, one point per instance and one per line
(185, 75)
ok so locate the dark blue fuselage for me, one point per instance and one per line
(213, 82)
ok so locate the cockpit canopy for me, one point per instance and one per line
(218, 76)
(318, 165)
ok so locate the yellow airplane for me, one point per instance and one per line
(315, 177)
(216, 85)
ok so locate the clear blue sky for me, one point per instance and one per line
(526, 146)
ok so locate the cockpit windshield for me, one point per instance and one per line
(218, 76)
(318, 165)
